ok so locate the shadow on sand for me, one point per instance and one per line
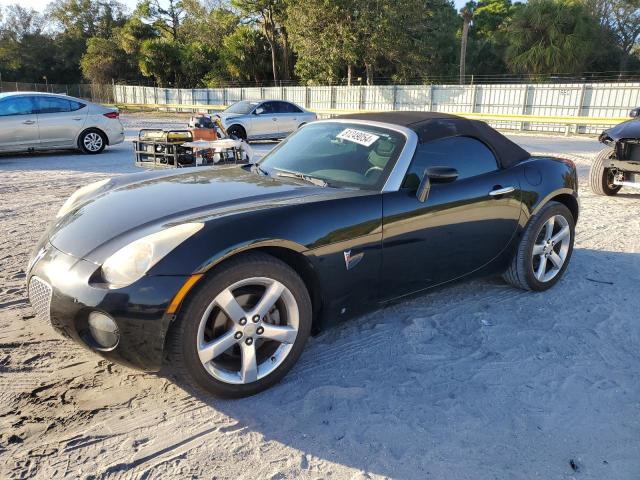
(476, 380)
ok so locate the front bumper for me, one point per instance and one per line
(61, 294)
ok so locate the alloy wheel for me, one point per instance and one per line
(248, 330)
(92, 141)
(551, 248)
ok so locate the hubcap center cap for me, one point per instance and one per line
(250, 329)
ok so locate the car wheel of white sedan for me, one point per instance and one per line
(545, 249)
(92, 142)
(244, 328)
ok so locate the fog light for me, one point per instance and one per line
(103, 330)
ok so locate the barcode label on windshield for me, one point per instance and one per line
(358, 136)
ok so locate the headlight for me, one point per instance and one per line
(78, 195)
(131, 262)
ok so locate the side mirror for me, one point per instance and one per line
(435, 175)
(635, 113)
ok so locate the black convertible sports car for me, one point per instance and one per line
(221, 274)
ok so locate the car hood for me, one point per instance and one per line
(135, 206)
(226, 116)
(624, 130)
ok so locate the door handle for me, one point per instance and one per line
(501, 191)
(78, 118)
(29, 122)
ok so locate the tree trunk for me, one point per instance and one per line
(466, 17)
(369, 71)
(286, 55)
(274, 63)
(349, 74)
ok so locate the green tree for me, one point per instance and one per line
(271, 16)
(246, 58)
(551, 36)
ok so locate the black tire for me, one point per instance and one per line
(237, 132)
(92, 141)
(600, 177)
(183, 363)
(521, 272)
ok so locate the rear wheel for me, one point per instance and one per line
(601, 177)
(244, 329)
(545, 249)
(92, 141)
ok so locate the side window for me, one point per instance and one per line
(76, 105)
(289, 108)
(16, 106)
(469, 156)
(53, 105)
(266, 108)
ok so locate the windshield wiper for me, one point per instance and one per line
(255, 168)
(302, 176)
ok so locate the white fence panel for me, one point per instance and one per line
(379, 98)
(610, 100)
(234, 95)
(347, 98)
(253, 93)
(554, 100)
(452, 98)
(500, 99)
(272, 93)
(320, 98)
(413, 98)
(296, 95)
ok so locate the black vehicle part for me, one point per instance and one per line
(600, 176)
(237, 132)
(521, 272)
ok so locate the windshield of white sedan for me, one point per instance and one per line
(337, 153)
(241, 108)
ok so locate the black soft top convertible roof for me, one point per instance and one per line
(434, 125)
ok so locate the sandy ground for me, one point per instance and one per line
(474, 381)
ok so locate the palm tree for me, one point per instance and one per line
(551, 36)
(467, 16)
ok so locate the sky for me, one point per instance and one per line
(41, 4)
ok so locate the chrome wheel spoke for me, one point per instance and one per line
(556, 260)
(542, 269)
(561, 235)
(249, 368)
(227, 302)
(282, 334)
(269, 298)
(548, 233)
(211, 350)
(538, 249)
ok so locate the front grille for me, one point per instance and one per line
(40, 293)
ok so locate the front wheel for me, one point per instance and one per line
(237, 132)
(244, 328)
(601, 177)
(545, 249)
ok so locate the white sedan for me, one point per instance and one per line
(264, 119)
(32, 121)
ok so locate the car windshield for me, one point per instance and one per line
(339, 153)
(241, 107)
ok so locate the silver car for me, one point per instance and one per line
(44, 121)
(264, 119)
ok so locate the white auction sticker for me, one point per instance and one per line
(358, 136)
